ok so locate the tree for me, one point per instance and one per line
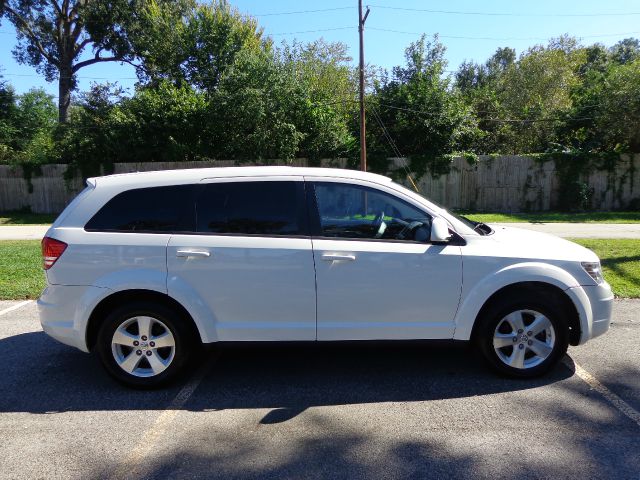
(625, 51)
(536, 93)
(54, 35)
(198, 49)
(423, 115)
(329, 89)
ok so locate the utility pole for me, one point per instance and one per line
(363, 139)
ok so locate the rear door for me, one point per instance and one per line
(378, 276)
(249, 263)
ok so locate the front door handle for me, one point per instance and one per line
(332, 257)
(192, 253)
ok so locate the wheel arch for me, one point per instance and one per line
(536, 288)
(529, 275)
(102, 309)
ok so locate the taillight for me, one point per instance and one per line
(51, 251)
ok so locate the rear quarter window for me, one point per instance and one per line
(147, 210)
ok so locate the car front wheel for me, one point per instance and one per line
(524, 337)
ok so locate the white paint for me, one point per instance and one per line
(133, 465)
(618, 403)
(15, 307)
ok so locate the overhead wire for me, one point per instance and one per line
(505, 14)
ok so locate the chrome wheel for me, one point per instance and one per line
(524, 339)
(143, 346)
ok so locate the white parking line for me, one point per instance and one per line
(133, 465)
(622, 406)
(15, 307)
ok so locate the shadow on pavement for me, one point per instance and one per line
(42, 376)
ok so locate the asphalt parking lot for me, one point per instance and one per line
(409, 411)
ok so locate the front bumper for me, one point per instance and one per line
(598, 303)
(64, 312)
(601, 298)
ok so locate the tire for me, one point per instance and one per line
(524, 335)
(144, 344)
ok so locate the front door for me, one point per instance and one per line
(249, 265)
(377, 275)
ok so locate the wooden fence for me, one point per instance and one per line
(500, 184)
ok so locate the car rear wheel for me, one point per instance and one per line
(144, 345)
(522, 336)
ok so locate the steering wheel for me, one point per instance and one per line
(378, 225)
(408, 228)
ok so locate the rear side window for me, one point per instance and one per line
(252, 208)
(147, 210)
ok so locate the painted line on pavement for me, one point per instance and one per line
(133, 465)
(15, 307)
(620, 405)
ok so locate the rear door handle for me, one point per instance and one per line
(331, 257)
(193, 253)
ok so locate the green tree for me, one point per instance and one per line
(625, 51)
(536, 93)
(53, 35)
(617, 115)
(423, 115)
(327, 103)
(7, 116)
(198, 49)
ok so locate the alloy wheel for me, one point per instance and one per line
(143, 346)
(524, 339)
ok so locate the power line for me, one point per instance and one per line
(461, 37)
(312, 31)
(297, 12)
(506, 14)
(497, 120)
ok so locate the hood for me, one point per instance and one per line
(519, 242)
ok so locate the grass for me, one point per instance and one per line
(26, 218)
(551, 217)
(21, 274)
(620, 263)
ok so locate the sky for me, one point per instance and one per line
(470, 29)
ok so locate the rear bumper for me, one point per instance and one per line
(63, 311)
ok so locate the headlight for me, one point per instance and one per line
(594, 270)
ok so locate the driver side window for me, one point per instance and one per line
(357, 212)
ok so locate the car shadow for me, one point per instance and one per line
(42, 376)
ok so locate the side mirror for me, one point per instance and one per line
(439, 230)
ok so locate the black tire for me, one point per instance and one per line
(164, 316)
(534, 301)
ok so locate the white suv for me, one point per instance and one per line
(146, 267)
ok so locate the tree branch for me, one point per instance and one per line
(56, 7)
(32, 35)
(96, 59)
(80, 46)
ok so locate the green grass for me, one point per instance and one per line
(620, 263)
(26, 218)
(21, 274)
(551, 217)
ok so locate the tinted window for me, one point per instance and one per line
(251, 208)
(353, 211)
(154, 209)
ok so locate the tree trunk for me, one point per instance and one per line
(64, 93)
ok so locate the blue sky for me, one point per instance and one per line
(527, 23)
